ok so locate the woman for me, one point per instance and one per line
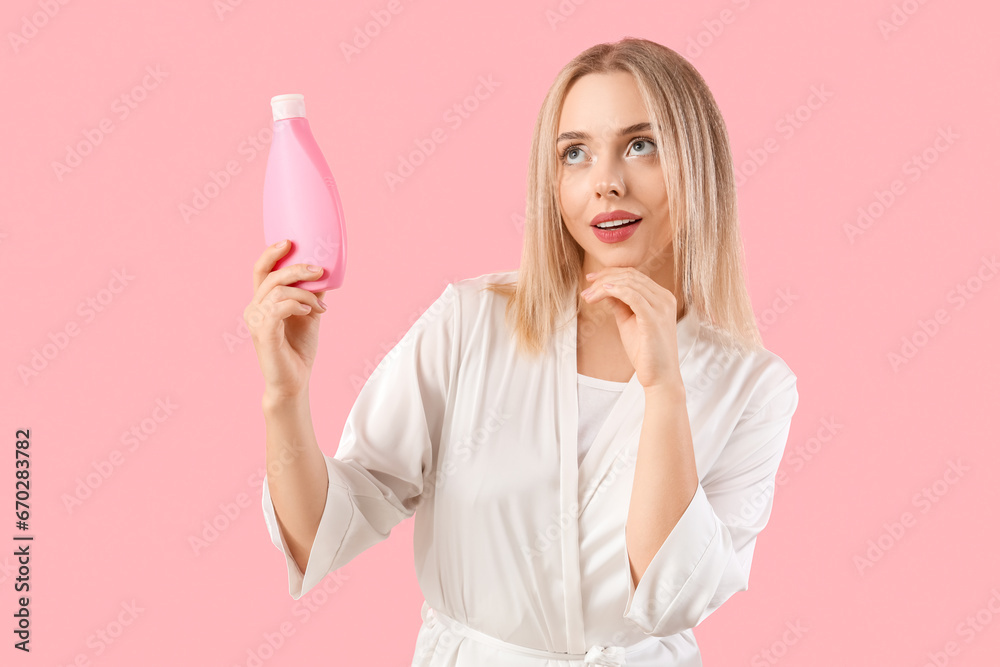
(613, 386)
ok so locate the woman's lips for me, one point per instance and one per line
(617, 234)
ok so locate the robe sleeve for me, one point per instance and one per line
(706, 557)
(386, 453)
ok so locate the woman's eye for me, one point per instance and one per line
(645, 142)
(569, 151)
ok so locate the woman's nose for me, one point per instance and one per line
(607, 173)
(609, 180)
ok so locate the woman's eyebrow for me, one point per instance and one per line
(575, 135)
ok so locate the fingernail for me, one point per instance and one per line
(280, 244)
(322, 305)
(590, 275)
(314, 269)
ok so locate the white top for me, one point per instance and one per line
(597, 397)
(520, 552)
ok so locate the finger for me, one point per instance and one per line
(282, 292)
(621, 276)
(278, 304)
(628, 294)
(290, 307)
(265, 263)
(263, 319)
(608, 274)
(285, 276)
(642, 283)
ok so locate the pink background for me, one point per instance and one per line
(835, 307)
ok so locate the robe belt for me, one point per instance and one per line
(612, 656)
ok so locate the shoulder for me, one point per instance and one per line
(465, 297)
(472, 288)
(751, 379)
(476, 301)
(466, 308)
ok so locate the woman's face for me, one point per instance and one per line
(604, 171)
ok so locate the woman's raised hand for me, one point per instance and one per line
(284, 323)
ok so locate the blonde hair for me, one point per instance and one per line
(698, 170)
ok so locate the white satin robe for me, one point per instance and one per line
(520, 553)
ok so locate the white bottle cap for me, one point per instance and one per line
(288, 106)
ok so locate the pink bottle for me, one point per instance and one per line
(301, 202)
